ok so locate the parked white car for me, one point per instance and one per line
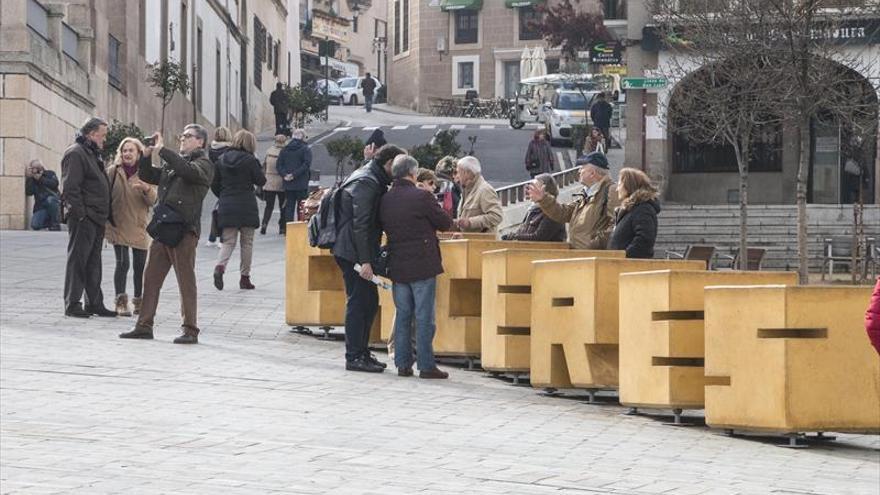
(567, 108)
(352, 93)
(334, 92)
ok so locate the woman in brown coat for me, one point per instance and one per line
(132, 201)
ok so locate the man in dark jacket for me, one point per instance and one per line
(601, 112)
(368, 86)
(183, 180)
(411, 218)
(281, 106)
(87, 201)
(42, 184)
(294, 165)
(358, 234)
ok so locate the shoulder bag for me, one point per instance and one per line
(167, 225)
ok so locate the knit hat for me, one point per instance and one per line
(596, 158)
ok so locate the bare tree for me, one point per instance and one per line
(794, 45)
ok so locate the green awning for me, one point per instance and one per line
(461, 5)
(512, 4)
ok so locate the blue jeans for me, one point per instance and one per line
(48, 216)
(368, 102)
(414, 300)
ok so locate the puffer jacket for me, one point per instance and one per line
(481, 206)
(872, 318)
(274, 182)
(589, 219)
(358, 231)
(635, 227)
(234, 179)
(183, 182)
(295, 159)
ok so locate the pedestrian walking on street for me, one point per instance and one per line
(635, 221)
(132, 201)
(411, 218)
(448, 191)
(872, 318)
(601, 112)
(219, 146)
(86, 198)
(480, 209)
(368, 86)
(183, 180)
(590, 217)
(356, 249)
(273, 190)
(42, 184)
(295, 167)
(539, 155)
(235, 177)
(537, 226)
(281, 107)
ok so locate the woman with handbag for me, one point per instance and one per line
(539, 155)
(238, 171)
(132, 201)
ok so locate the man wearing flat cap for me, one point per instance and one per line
(590, 215)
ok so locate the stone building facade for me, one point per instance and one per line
(63, 61)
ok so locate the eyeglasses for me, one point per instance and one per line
(186, 135)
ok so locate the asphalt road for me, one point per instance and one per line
(500, 149)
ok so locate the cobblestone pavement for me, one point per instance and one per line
(256, 409)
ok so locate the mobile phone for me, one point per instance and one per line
(149, 141)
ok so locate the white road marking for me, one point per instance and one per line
(373, 128)
(485, 126)
(429, 126)
(341, 129)
(458, 126)
(399, 127)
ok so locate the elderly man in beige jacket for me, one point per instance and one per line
(590, 217)
(480, 208)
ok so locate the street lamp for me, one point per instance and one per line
(380, 44)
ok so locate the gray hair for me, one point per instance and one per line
(298, 134)
(91, 125)
(404, 166)
(201, 132)
(599, 170)
(550, 186)
(471, 164)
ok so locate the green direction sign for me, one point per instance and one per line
(643, 82)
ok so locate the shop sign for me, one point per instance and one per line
(331, 28)
(606, 53)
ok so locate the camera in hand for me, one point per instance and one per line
(149, 141)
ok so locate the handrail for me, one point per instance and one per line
(515, 193)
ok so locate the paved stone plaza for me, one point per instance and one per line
(256, 409)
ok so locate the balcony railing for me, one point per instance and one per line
(516, 193)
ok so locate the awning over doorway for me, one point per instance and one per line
(461, 5)
(512, 4)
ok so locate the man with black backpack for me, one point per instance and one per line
(356, 247)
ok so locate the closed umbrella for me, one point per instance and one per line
(525, 64)
(539, 64)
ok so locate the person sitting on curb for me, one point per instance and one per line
(590, 216)
(480, 209)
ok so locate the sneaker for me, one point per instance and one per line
(137, 332)
(404, 372)
(434, 374)
(209, 243)
(370, 358)
(363, 366)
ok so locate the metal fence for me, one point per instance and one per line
(516, 193)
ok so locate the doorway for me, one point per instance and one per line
(511, 78)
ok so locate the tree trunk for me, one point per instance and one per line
(802, 175)
(162, 122)
(742, 154)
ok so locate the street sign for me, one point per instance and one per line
(643, 82)
(606, 52)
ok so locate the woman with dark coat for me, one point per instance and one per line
(539, 156)
(219, 146)
(635, 226)
(237, 172)
(537, 226)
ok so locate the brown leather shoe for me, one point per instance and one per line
(434, 374)
(245, 283)
(137, 332)
(404, 372)
(189, 336)
(218, 276)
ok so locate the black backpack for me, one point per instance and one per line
(322, 225)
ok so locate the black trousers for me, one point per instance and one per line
(123, 263)
(280, 123)
(83, 272)
(269, 197)
(361, 306)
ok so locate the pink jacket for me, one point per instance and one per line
(872, 317)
